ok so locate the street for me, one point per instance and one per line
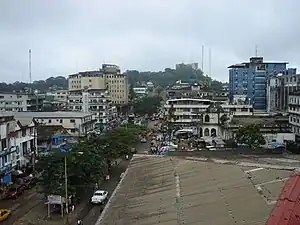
(21, 206)
(30, 207)
(94, 211)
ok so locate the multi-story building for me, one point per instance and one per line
(18, 146)
(193, 66)
(59, 98)
(20, 101)
(206, 113)
(108, 79)
(294, 113)
(75, 123)
(99, 103)
(250, 79)
(140, 91)
(279, 88)
(98, 92)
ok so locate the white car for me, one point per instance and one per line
(143, 140)
(99, 197)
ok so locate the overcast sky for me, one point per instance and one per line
(74, 35)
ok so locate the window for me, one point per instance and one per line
(4, 144)
(72, 121)
(61, 121)
(206, 118)
(72, 130)
(49, 121)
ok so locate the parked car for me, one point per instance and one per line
(99, 197)
(143, 140)
(4, 214)
(15, 191)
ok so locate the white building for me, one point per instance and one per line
(76, 123)
(18, 144)
(99, 104)
(294, 113)
(140, 91)
(20, 101)
(58, 97)
(150, 84)
(204, 113)
(279, 89)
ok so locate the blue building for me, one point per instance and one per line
(250, 79)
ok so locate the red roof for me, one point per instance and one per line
(287, 209)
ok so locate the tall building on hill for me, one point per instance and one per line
(193, 66)
(249, 80)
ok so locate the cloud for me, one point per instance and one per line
(70, 35)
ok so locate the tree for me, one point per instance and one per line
(59, 82)
(250, 135)
(170, 76)
(87, 162)
(132, 94)
(148, 105)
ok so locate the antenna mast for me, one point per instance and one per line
(202, 62)
(256, 51)
(29, 66)
(209, 61)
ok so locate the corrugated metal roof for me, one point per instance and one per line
(287, 209)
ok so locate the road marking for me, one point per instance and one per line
(253, 170)
(272, 181)
(177, 182)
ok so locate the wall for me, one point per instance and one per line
(279, 137)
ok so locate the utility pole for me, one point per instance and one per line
(66, 186)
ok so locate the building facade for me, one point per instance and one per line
(75, 123)
(108, 78)
(58, 98)
(140, 91)
(20, 101)
(294, 113)
(280, 88)
(250, 79)
(18, 146)
(206, 114)
(99, 103)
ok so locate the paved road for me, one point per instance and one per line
(92, 212)
(32, 201)
(21, 206)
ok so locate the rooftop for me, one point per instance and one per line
(168, 190)
(57, 114)
(247, 120)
